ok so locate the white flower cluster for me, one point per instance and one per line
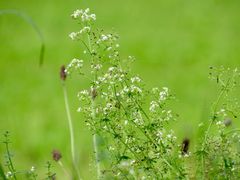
(153, 106)
(160, 97)
(104, 38)
(9, 175)
(112, 76)
(75, 35)
(75, 64)
(136, 79)
(96, 67)
(163, 94)
(82, 95)
(84, 15)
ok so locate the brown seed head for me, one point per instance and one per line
(185, 146)
(56, 155)
(63, 74)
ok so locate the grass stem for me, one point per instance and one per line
(72, 142)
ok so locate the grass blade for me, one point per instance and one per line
(29, 20)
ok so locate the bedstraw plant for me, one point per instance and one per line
(117, 107)
(134, 121)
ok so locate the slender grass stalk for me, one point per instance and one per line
(95, 136)
(64, 169)
(29, 20)
(72, 142)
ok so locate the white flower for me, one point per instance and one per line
(9, 174)
(83, 15)
(163, 94)
(109, 48)
(96, 66)
(32, 169)
(155, 90)
(73, 35)
(159, 134)
(135, 79)
(93, 17)
(104, 37)
(135, 89)
(77, 13)
(111, 69)
(74, 64)
(153, 106)
(85, 29)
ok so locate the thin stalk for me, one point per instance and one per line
(29, 20)
(72, 142)
(95, 145)
(64, 170)
(10, 166)
(95, 138)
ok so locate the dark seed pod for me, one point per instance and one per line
(63, 74)
(185, 146)
(56, 155)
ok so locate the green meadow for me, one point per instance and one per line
(174, 42)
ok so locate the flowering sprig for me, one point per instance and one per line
(114, 107)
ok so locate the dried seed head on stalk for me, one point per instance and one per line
(185, 146)
(63, 74)
(56, 155)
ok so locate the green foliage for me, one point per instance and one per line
(131, 122)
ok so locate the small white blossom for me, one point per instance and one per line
(135, 79)
(83, 15)
(85, 29)
(73, 35)
(77, 13)
(9, 174)
(163, 94)
(74, 64)
(153, 106)
(32, 169)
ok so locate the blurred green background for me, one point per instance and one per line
(173, 41)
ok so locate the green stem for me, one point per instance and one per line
(95, 144)
(72, 142)
(64, 170)
(95, 136)
(11, 167)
